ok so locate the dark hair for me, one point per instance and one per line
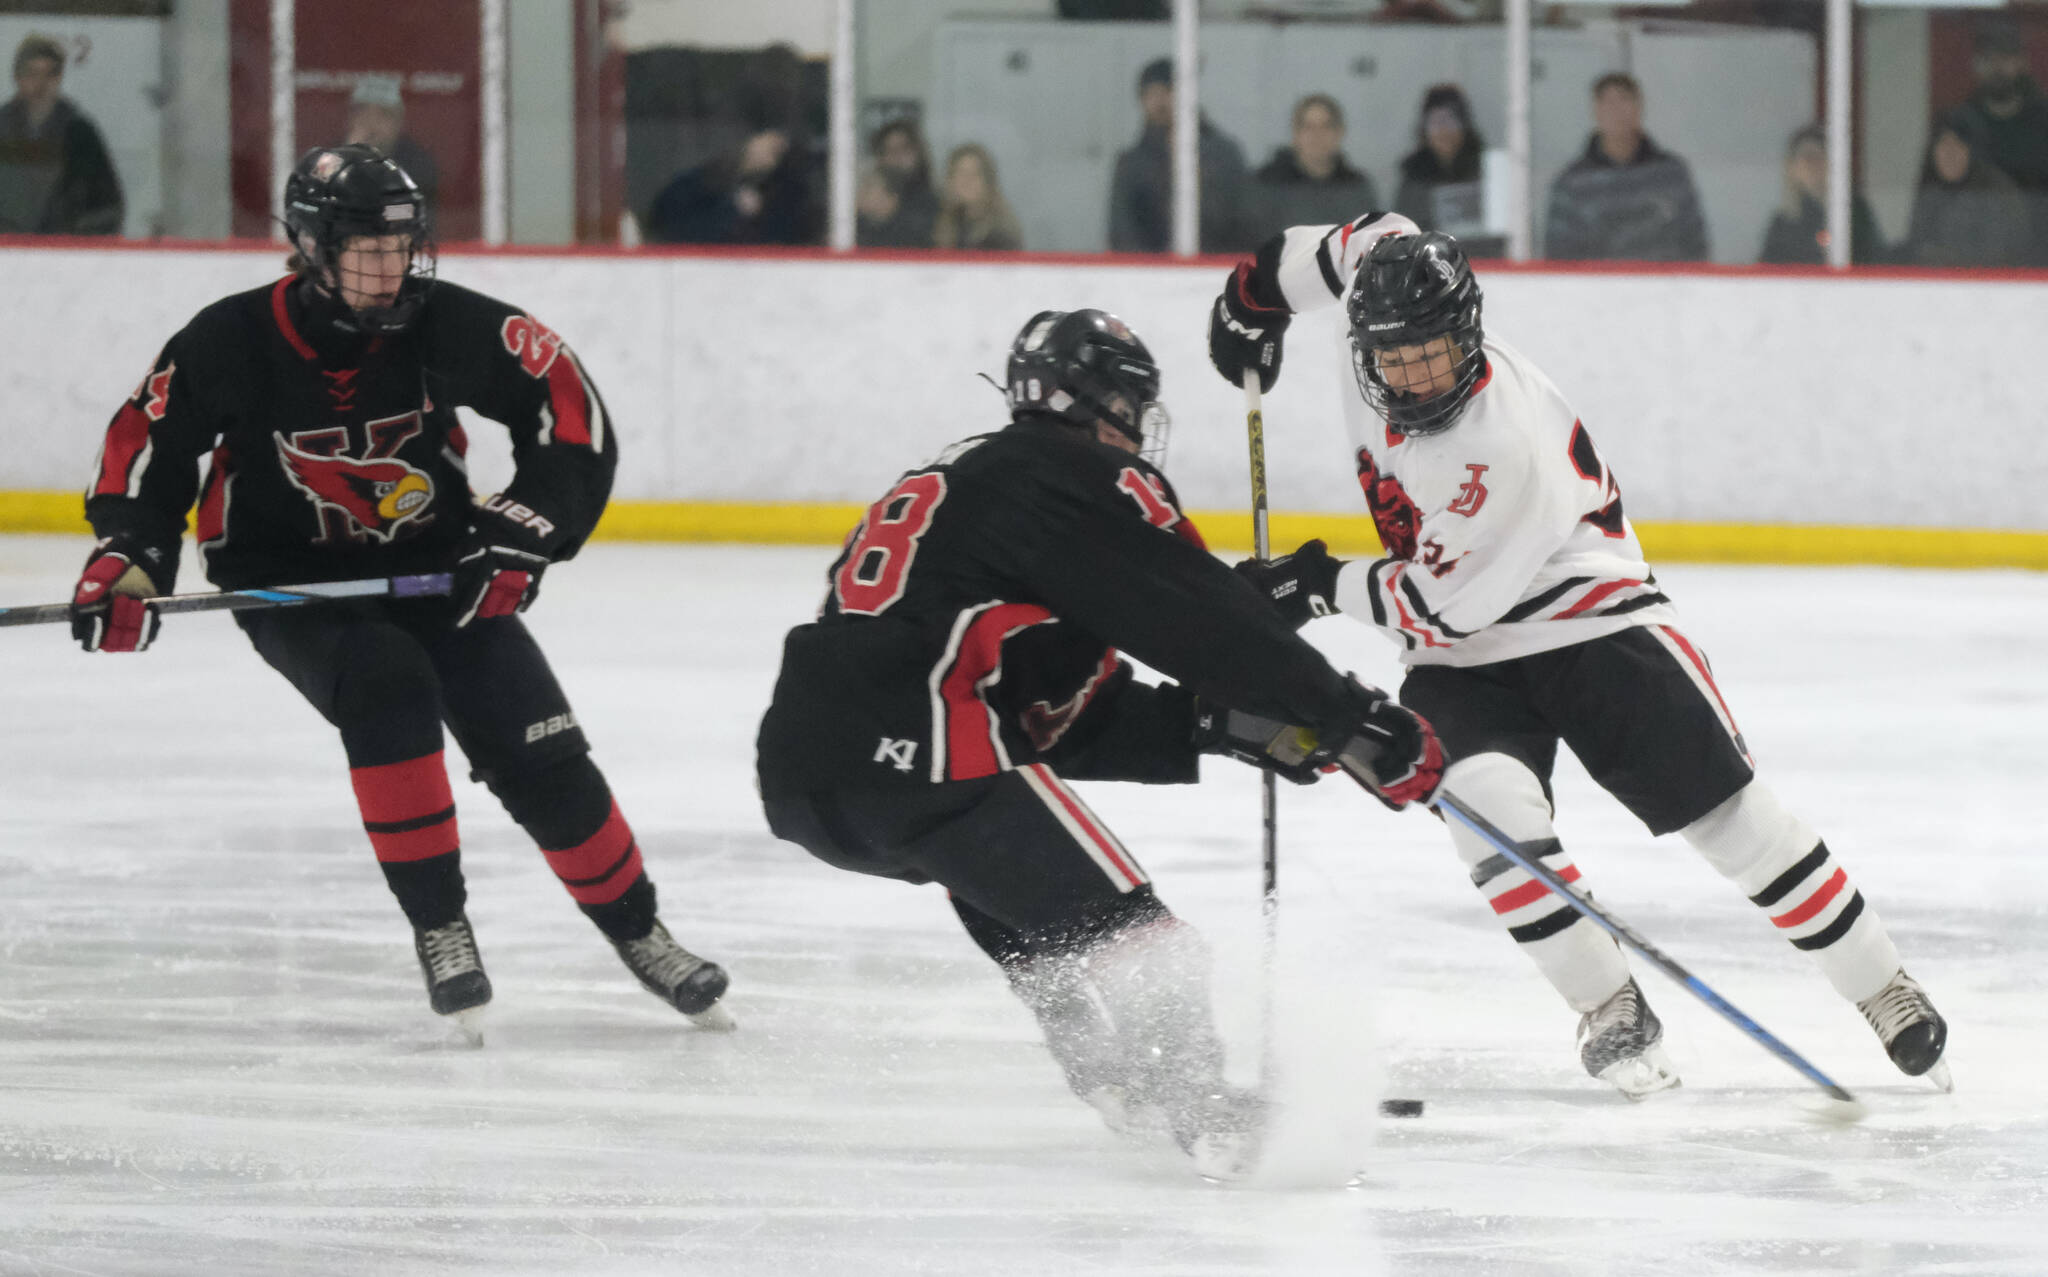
(1618, 80)
(908, 127)
(1444, 95)
(1322, 100)
(1157, 71)
(1962, 122)
(1802, 135)
(38, 46)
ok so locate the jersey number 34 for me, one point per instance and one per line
(871, 576)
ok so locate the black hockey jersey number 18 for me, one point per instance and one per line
(876, 565)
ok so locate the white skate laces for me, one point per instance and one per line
(1912, 1031)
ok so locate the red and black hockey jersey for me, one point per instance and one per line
(329, 455)
(974, 618)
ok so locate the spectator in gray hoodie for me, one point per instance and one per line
(55, 175)
(1141, 193)
(1626, 198)
(1967, 212)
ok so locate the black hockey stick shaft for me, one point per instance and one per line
(396, 587)
(1526, 857)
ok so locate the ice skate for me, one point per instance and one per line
(1621, 1042)
(456, 983)
(678, 977)
(1913, 1032)
(1222, 1130)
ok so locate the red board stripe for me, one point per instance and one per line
(1814, 903)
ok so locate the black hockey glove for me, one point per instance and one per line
(497, 570)
(1245, 328)
(108, 613)
(1274, 746)
(1391, 750)
(1303, 585)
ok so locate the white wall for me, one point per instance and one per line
(1750, 399)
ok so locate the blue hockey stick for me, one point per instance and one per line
(1524, 855)
(396, 587)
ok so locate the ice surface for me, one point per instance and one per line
(215, 1055)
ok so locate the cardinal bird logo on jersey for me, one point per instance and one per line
(1393, 511)
(376, 497)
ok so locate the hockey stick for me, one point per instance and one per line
(1524, 856)
(1269, 794)
(397, 587)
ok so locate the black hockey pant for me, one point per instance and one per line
(388, 674)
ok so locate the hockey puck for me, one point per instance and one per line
(1400, 1108)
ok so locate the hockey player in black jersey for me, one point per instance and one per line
(323, 408)
(964, 668)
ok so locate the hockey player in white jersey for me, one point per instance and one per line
(1527, 615)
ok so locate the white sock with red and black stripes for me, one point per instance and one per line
(1788, 872)
(1581, 962)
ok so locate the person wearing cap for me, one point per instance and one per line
(2008, 116)
(55, 175)
(376, 117)
(1141, 193)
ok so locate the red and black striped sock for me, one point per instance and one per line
(409, 812)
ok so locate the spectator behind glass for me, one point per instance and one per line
(1798, 233)
(55, 175)
(759, 192)
(1309, 183)
(973, 212)
(376, 117)
(1141, 193)
(1967, 212)
(896, 203)
(1626, 198)
(1440, 178)
(2010, 119)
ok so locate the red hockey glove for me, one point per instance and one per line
(108, 612)
(1393, 752)
(496, 574)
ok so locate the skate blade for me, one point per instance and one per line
(713, 1019)
(1641, 1076)
(1939, 1075)
(469, 1027)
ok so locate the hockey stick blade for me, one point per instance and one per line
(397, 587)
(1525, 856)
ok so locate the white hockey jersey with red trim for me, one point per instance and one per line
(1505, 534)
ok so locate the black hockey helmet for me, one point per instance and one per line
(1087, 365)
(336, 193)
(1412, 289)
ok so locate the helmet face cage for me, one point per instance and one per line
(337, 196)
(1411, 291)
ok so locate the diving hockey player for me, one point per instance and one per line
(1527, 615)
(964, 668)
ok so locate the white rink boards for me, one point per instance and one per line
(215, 1055)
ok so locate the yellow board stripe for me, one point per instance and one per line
(807, 523)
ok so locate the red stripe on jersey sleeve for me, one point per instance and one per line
(126, 438)
(569, 398)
